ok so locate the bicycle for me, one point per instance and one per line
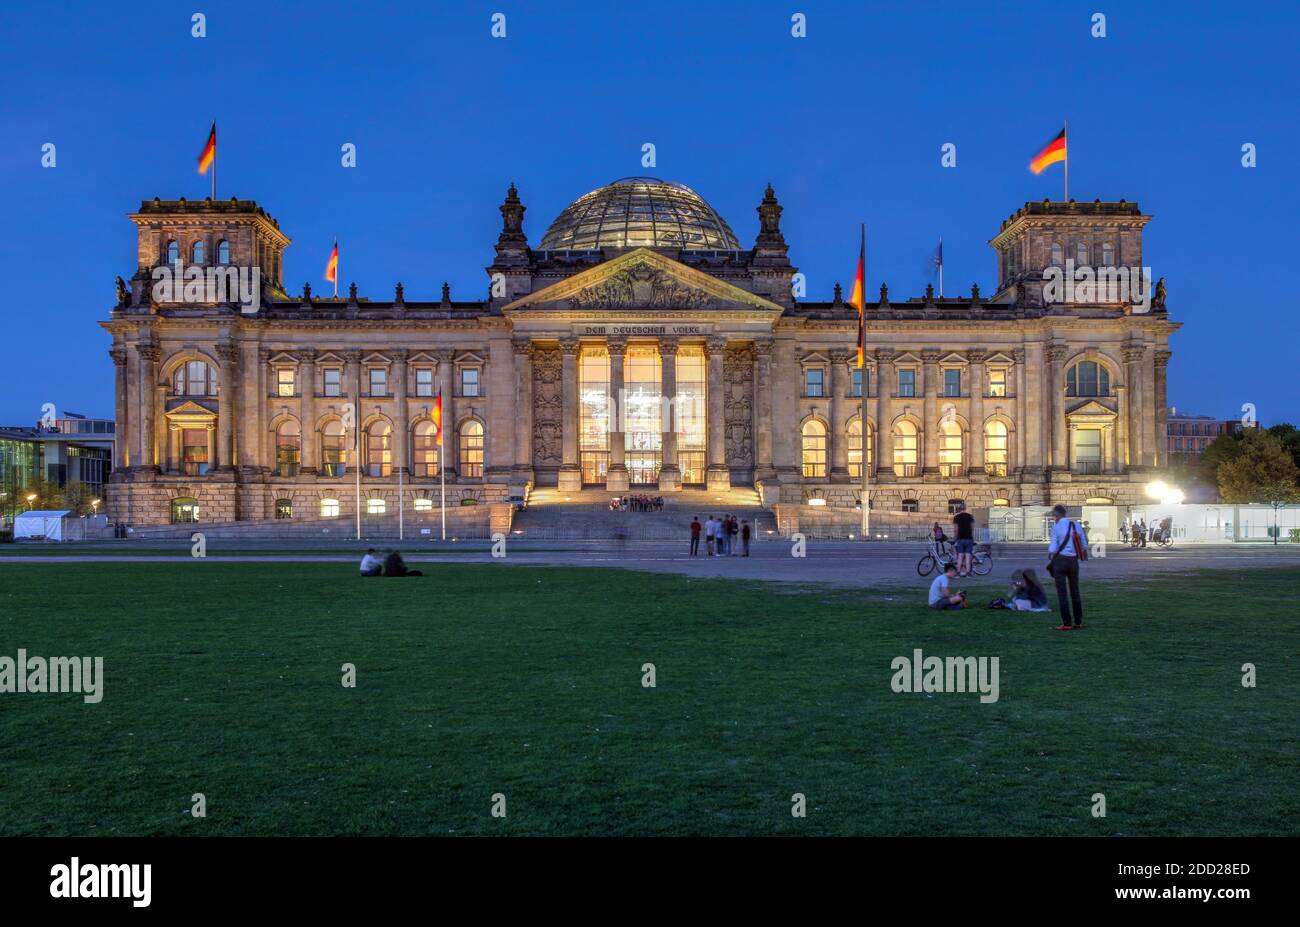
(940, 556)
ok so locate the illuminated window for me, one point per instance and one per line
(288, 448)
(854, 446)
(194, 451)
(378, 381)
(284, 385)
(223, 252)
(642, 415)
(424, 505)
(284, 508)
(690, 410)
(1087, 378)
(950, 449)
(905, 449)
(593, 415)
(1087, 450)
(184, 510)
(471, 449)
(469, 381)
(379, 449)
(425, 449)
(197, 253)
(424, 381)
(995, 449)
(376, 507)
(194, 378)
(1108, 254)
(329, 508)
(997, 381)
(332, 448)
(814, 449)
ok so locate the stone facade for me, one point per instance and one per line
(644, 363)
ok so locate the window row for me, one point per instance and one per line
(906, 435)
(186, 509)
(377, 446)
(1083, 254)
(198, 252)
(199, 378)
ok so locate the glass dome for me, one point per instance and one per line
(639, 212)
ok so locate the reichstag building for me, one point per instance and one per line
(636, 345)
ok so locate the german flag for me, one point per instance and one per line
(332, 267)
(859, 298)
(209, 154)
(1052, 152)
(437, 414)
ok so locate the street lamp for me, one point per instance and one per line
(94, 506)
(31, 497)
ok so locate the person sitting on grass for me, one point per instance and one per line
(370, 565)
(941, 592)
(1027, 593)
(394, 565)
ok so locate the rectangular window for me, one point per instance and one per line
(424, 381)
(952, 383)
(284, 381)
(812, 381)
(997, 382)
(469, 381)
(378, 381)
(376, 507)
(194, 451)
(906, 383)
(859, 376)
(1087, 450)
(329, 508)
(333, 381)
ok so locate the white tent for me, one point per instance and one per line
(47, 526)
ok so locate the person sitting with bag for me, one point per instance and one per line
(1027, 593)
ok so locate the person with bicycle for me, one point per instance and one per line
(964, 522)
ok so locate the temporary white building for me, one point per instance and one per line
(41, 526)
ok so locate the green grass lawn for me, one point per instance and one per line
(225, 679)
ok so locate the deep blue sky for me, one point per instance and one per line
(847, 124)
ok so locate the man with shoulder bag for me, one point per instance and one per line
(1066, 547)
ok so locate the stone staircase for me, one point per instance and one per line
(585, 514)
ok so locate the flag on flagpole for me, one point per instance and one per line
(859, 298)
(332, 266)
(437, 414)
(1051, 153)
(937, 262)
(208, 157)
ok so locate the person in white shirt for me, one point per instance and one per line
(941, 593)
(370, 564)
(1063, 550)
(710, 529)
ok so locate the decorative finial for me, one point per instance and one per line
(399, 297)
(446, 294)
(306, 292)
(352, 292)
(974, 292)
(839, 295)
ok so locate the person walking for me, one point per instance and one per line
(695, 536)
(744, 535)
(1065, 548)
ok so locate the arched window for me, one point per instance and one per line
(173, 252)
(332, 451)
(284, 508)
(1108, 254)
(950, 448)
(223, 252)
(426, 449)
(184, 510)
(379, 449)
(194, 378)
(471, 449)
(814, 449)
(1058, 254)
(288, 449)
(905, 449)
(995, 449)
(197, 252)
(854, 446)
(1081, 254)
(329, 508)
(1087, 378)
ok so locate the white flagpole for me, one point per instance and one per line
(1065, 130)
(862, 411)
(442, 471)
(941, 267)
(401, 507)
(356, 423)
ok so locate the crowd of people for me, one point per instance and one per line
(636, 504)
(1136, 532)
(1067, 547)
(724, 536)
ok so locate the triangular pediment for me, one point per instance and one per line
(646, 280)
(1090, 409)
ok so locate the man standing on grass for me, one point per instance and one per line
(1065, 548)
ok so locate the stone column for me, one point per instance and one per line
(670, 474)
(262, 447)
(352, 390)
(252, 403)
(1108, 462)
(1032, 402)
(227, 405)
(885, 383)
(764, 469)
(930, 426)
(1160, 446)
(147, 361)
(307, 406)
(838, 435)
(1133, 359)
(975, 455)
(1121, 405)
(173, 462)
(616, 477)
(717, 477)
(447, 458)
(1056, 404)
(1020, 413)
(401, 416)
(523, 470)
(121, 456)
(570, 476)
